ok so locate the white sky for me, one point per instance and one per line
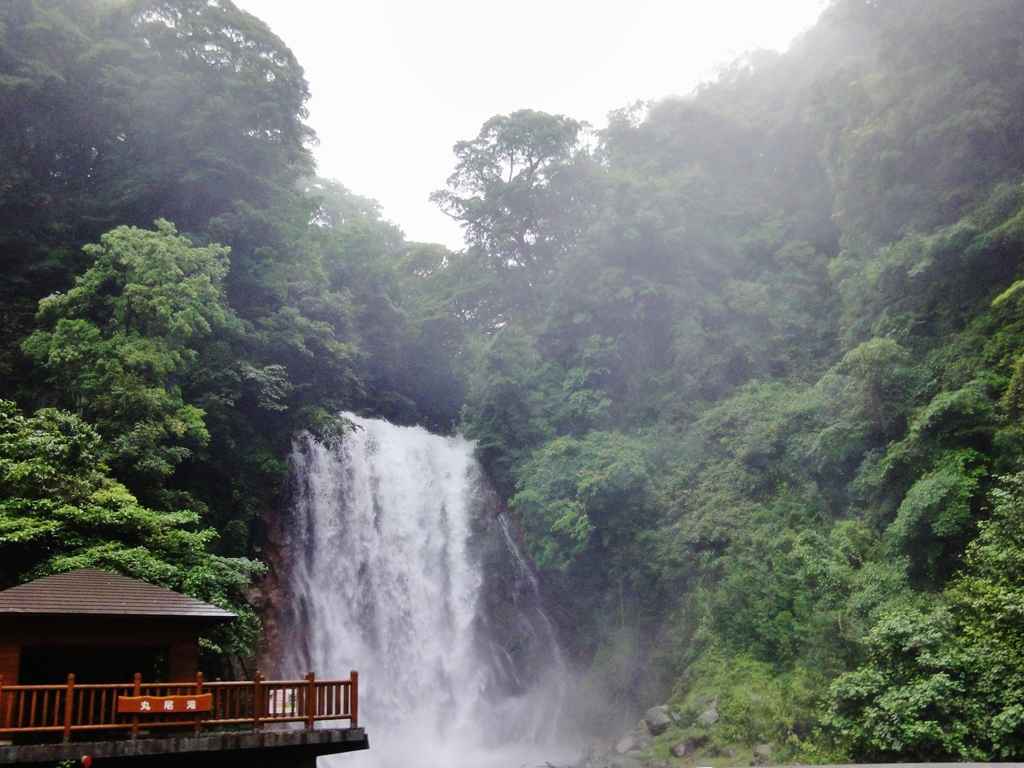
(395, 83)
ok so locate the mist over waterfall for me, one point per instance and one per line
(402, 567)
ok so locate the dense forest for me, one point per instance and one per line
(747, 367)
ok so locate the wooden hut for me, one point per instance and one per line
(102, 627)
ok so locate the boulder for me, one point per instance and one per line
(689, 747)
(708, 717)
(625, 745)
(657, 720)
(763, 752)
(642, 737)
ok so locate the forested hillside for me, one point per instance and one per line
(180, 295)
(747, 366)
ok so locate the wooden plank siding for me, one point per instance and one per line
(179, 635)
(10, 658)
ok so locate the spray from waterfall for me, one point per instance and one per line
(403, 568)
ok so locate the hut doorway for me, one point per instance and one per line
(51, 664)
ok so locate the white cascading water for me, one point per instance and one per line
(398, 561)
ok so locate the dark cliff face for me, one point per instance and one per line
(283, 544)
(272, 597)
(514, 636)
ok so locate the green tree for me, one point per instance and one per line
(944, 680)
(118, 345)
(504, 187)
(587, 508)
(934, 130)
(59, 510)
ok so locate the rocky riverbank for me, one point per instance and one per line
(670, 738)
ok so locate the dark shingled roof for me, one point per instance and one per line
(90, 591)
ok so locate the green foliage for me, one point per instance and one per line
(577, 495)
(921, 286)
(59, 510)
(117, 344)
(915, 707)
(505, 188)
(744, 364)
(503, 398)
(756, 704)
(196, 371)
(783, 596)
(937, 517)
(588, 513)
(944, 682)
(128, 112)
(933, 136)
(796, 295)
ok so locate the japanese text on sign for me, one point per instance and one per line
(197, 703)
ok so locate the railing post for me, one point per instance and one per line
(69, 702)
(136, 691)
(310, 701)
(354, 719)
(257, 701)
(199, 692)
(3, 709)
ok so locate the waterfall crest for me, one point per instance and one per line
(403, 568)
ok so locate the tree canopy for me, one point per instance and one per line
(745, 367)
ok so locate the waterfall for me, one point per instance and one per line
(403, 568)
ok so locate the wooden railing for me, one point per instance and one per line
(257, 703)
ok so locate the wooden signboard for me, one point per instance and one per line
(152, 705)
